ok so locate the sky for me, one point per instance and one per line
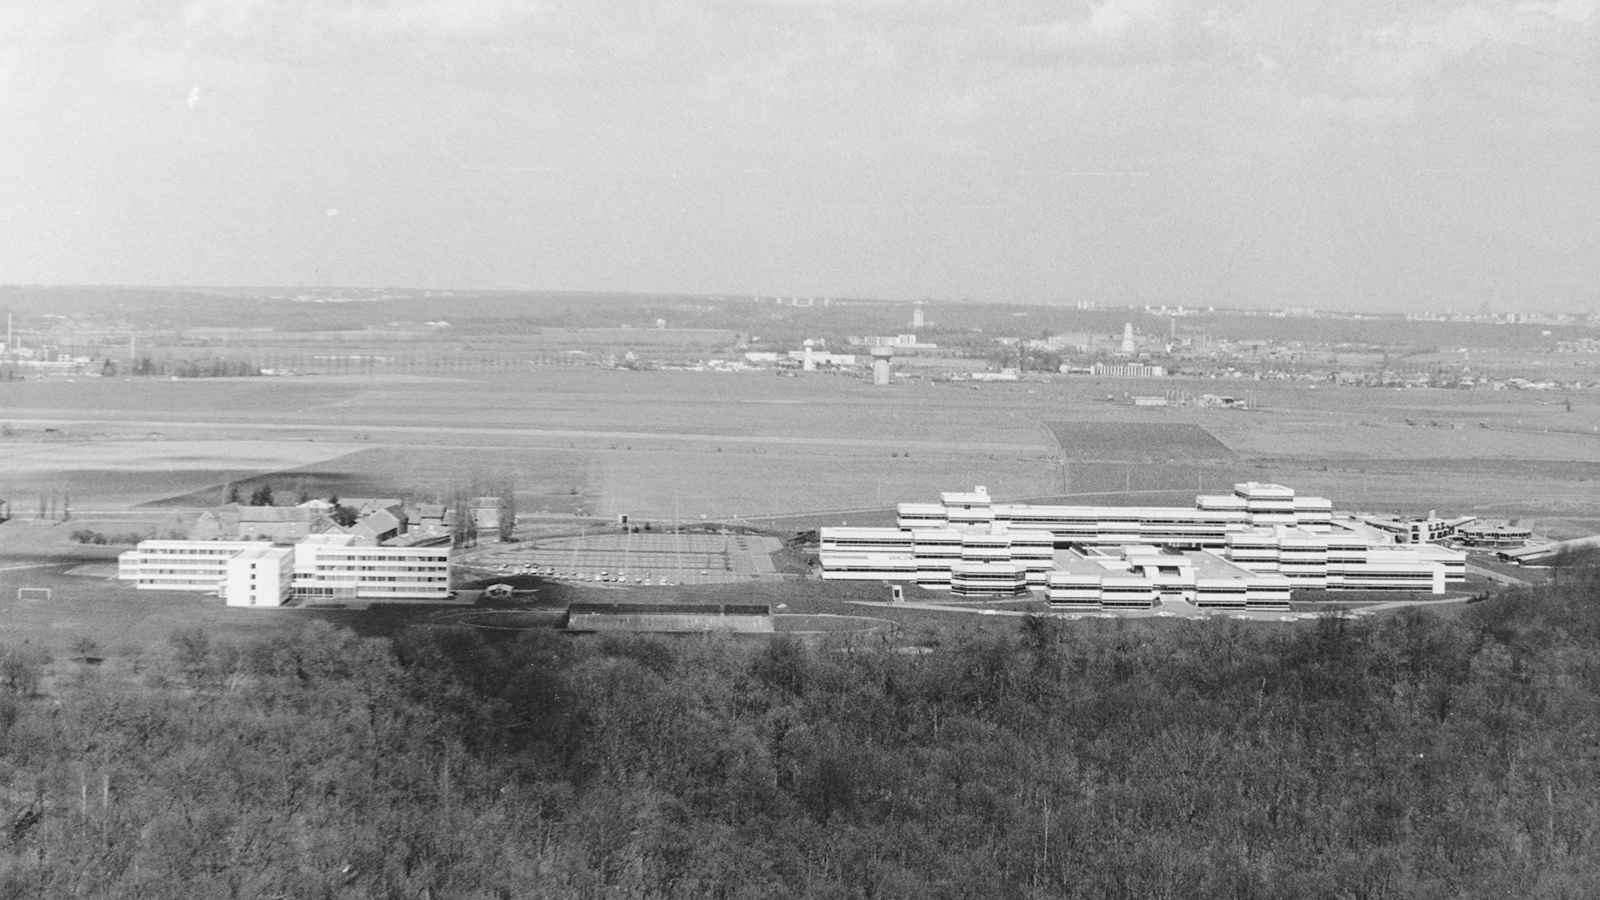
(1364, 154)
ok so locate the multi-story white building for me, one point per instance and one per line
(1260, 541)
(180, 565)
(319, 567)
(329, 566)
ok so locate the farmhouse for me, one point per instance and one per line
(237, 522)
(1249, 547)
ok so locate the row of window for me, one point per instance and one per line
(166, 582)
(321, 567)
(373, 579)
(387, 557)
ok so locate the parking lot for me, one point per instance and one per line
(636, 558)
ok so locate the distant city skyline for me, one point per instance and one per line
(1371, 155)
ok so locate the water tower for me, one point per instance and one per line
(880, 364)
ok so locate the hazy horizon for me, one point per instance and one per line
(1380, 156)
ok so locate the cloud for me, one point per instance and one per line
(1401, 56)
(1109, 31)
(437, 18)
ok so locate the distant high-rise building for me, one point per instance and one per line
(1128, 345)
(916, 315)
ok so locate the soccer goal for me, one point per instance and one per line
(33, 593)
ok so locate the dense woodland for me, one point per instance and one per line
(1413, 756)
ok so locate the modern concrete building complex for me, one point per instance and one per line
(1248, 549)
(317, 568)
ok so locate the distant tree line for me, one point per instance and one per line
(214, 367)
(90, 536)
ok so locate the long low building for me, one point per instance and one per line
(1248, 548)
(747, 618)
(1543, 554)
(317, 568)
(1494, 535)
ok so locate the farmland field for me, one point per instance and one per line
(1137, 441)
(668, 444)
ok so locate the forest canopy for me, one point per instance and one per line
(1414, 755)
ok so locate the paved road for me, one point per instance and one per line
(1171, 610)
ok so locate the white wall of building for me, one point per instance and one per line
(259, 576)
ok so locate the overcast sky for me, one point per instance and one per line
(1358, 154)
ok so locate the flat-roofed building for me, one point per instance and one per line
(259, 576)
(921, 515)
(319, 567)
(179, 565)
(335, 567)
(1267, 504)
(1396, 569)
(1418, 530)
(988, 579)
(1494, 534)
(1138, 577)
